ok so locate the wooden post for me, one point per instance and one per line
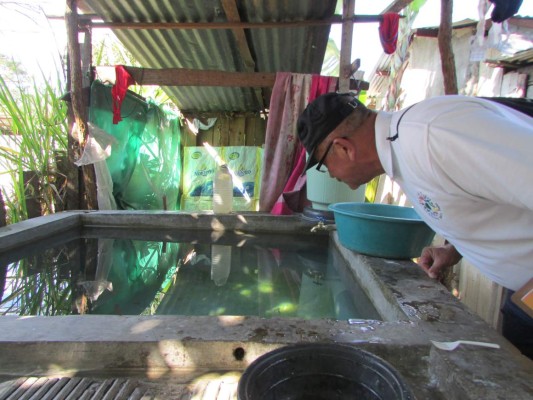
(73, 174)
(86, 57)
(86, 184)
(80, 115)
(348, 7)
(445, 47)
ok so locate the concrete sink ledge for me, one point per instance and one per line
(176, 349)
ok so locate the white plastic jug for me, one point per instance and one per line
(222, 190)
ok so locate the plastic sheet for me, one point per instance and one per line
(145, 158)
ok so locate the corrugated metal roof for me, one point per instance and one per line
(379, 77)
(520, 59)
(299, 50)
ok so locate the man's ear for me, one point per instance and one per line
(346, 147)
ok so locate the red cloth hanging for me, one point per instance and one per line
(118, 91)
(388, 32)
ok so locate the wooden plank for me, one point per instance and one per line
(188, 138)
(74, 52)
(514, 84)
(238, 131)
(479, 293)
(346, 46)
(521, 22)
(222, 132)
(86, 196)
(336, 19)
(232, 14)
(241, 130)
(255, 131)
(358, 85)
(86, 58)
(447, 57)
(206, 136)
(396, 6)
(191, 77)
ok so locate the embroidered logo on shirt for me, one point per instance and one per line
(431, 207)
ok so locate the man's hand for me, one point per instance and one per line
(434, 259)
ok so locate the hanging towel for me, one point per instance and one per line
(118, 92)
(293, 198)
(388, 32)
(504, 9)
(288, 99)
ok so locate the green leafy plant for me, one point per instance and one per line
(34, 134)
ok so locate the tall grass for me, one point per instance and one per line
(35, 132)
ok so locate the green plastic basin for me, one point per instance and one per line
(381, 230)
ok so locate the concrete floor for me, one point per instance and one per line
(126, 357)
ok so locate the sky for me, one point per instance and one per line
(27, 36)
(38, 42)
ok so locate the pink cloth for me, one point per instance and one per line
(118, 92)
(288, 99)
(293, 197)
(283, 186)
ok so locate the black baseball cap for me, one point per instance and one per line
(321, 117)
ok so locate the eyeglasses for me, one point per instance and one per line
(323, 159)
(353, 105)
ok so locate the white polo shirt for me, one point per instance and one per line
(466, 164)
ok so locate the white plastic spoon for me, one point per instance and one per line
(449, 346)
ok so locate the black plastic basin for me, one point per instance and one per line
(321, 372)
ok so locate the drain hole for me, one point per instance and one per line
(238, 353)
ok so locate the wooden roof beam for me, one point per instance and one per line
(194, 77)
(336, 19)
(345, 62)
(232, 14)
(396, 6)
(189, 77)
